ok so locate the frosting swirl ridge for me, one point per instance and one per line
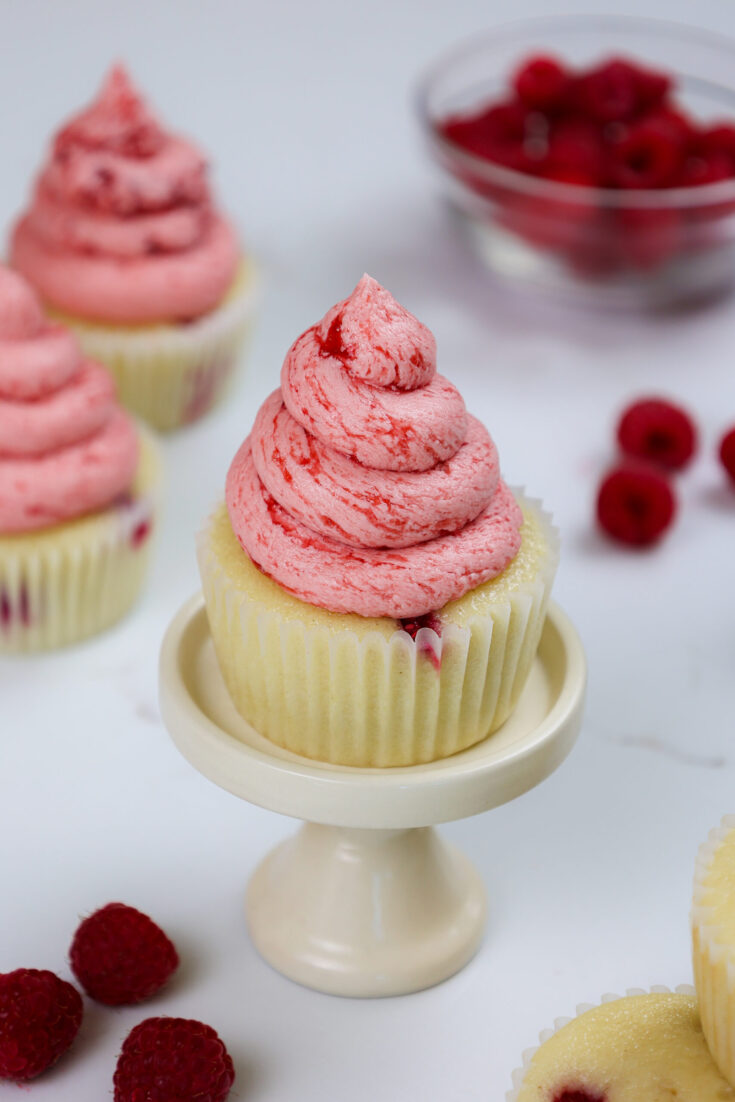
(121, 227)
(365, 486)
(66, 448)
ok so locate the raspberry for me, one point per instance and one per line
(575, 145)
(704, 167)
(555, 224)
(659, 432)
(40, 1016)
(675, 122)
(173, 1060)
(650, 156)
(120, 956)
(497, 134)
(541, 83)
(610, 92)
(727, 453)
(653, 87)
(719, 139)
(649, 236)
(635, 505)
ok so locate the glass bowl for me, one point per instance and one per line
(631, 248)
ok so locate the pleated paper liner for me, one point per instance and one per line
(170, 375)
(60, 585)
(713, 943)
(655, 1049)
(361, 692)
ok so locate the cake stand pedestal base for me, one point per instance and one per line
(366, 912)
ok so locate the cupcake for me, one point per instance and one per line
(646, 1047)
(375, 591)
(124, 245)
(77, 484)
(713, 936)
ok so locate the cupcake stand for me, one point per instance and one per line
(366, 899)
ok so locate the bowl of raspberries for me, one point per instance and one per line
(592, 157)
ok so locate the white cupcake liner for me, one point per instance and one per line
(519, 1074)
(60, 585)
(714, 959)
(170, 375)
(372, 699)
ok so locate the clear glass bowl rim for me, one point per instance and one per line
(701, 195)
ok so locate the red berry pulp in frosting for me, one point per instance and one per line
(615, 126)
(173, 1060)
(40, 1016)
(120, 956)
(727, 453)
(658, 431)
(635, 504)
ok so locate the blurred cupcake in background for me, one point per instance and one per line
(78, 484)
(124, 245)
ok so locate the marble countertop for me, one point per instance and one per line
(306, 112)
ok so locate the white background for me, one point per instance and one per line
(306, 111)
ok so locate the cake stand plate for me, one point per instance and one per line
(366, 899)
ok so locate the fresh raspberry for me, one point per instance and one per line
(120, 956)
(497, 133)
(575, 145)
(653, 87)
(675, 122)
(704, 167)
(173, 1060)
(650, 156)
(659, 432)
(542, 83)
(553, 224)
(609, 92)
(40, 1016)
(719, 139)
(648, 236)
(635, 504)
(727, 453)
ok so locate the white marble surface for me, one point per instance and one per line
(305, 109)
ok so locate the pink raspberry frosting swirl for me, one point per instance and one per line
(365, 486)
(66, 448)
(121, 226)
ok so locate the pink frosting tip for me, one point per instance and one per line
(20, 311)
(365, 486)
(66, 448)
(118, 119)
(121, 226)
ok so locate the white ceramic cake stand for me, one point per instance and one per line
(366, 899)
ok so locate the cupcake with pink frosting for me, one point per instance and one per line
(78, 484)
(375, 591)
(124, 244)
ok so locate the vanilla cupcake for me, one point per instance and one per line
(125, 246)
(78, 485)
(713, 936)
(375, 591)
(646, 1047)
